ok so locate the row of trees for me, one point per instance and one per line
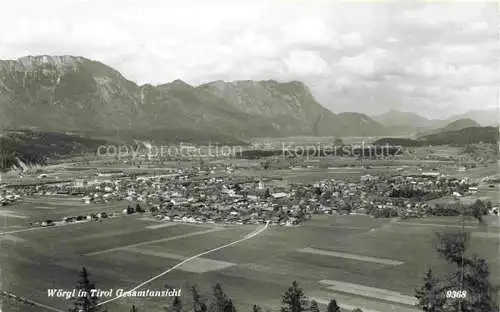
(293, 300)
(138, 209)
(477, 209)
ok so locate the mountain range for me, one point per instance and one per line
(452, 126)
(70, 93)
(410, 122)
(67, 93)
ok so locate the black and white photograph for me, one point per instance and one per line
(249, 156)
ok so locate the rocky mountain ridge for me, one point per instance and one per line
(70, 93)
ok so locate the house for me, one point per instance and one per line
(432, 174)
(280, 195)
(473, 190)
(87, 199)
(68, 219)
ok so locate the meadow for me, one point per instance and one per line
(323, 252)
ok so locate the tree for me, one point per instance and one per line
(294, 299)
(130, 210)
(489, 205)
(198, 303)
(8, 157)
(333, 306)
(220, 301)
(267, 193)
(452, 246)
(478, 210)
(86, 301)
(471, 275)
(430, 296)
(176, 305)
(229, 306)
(265, 164)
(314, 306)
(338, 142)
(237, 188)
(318, 191)
(482, 293)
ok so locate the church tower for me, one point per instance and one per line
(261, 184)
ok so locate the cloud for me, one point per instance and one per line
(308, 31)
(354, 56)
(352, 39)
(476, 27)
(463, 54)
(306, 63)
(443, 14)
(366, 64)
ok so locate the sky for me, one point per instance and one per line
(435, 58)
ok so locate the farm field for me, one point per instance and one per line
(492, 193)
(53, 174)
(41, 208)
(320, 254)
(310, 175)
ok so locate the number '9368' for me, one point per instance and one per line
(456, 294)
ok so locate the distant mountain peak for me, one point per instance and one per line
(176, 84)
(484, 117)
(407, 121)
(180, 83)
(397, 113)
(455, 125)
(461, 124)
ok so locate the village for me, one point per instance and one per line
(204, 194)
